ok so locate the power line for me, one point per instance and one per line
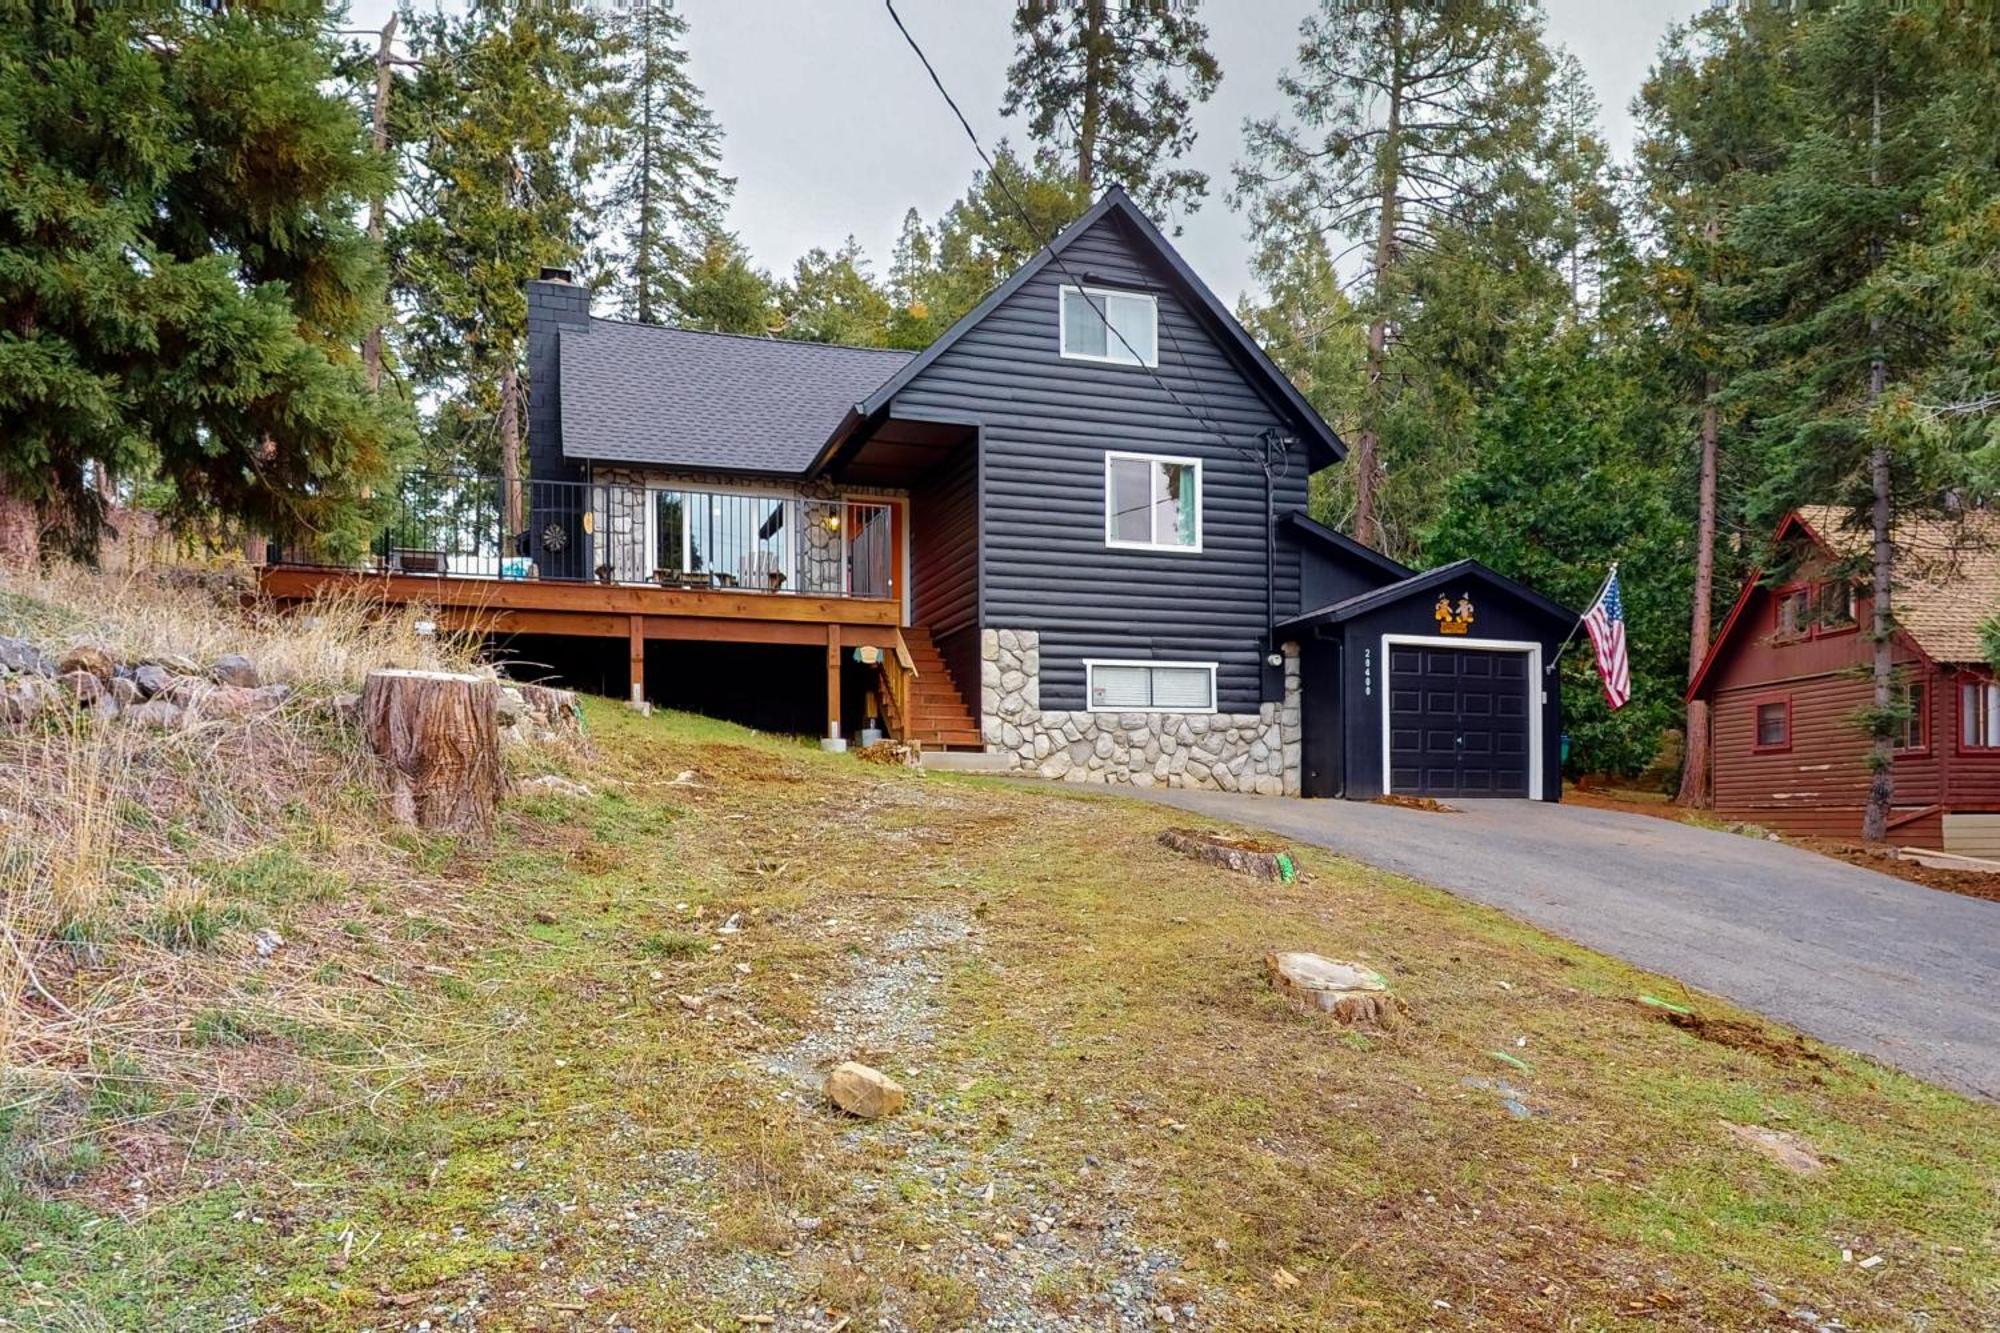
(1261, 460)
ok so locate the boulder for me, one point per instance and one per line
(23, 658)
(88, 658)
(235, 669)
(25, 698)
(152, 679)
(174, 664)
(511, 708)
(84, 686)
(1353, 994)
(124, 691)
(235, 701)
(159, 714)
(868, 1093)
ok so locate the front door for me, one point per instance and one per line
(1458, 721)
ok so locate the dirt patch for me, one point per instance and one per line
(741, 763)
(1969, 883)
(1779, 1048)
(1416, 803)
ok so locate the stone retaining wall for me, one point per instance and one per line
(1252, 752)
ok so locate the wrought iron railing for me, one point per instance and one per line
(450, 525)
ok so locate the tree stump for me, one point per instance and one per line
(437, 736)
(1244, 855)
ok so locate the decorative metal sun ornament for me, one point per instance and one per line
(555, 537)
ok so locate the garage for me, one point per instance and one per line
(1458, 721)
(1436, 685)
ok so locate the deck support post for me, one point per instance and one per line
(833, 740)
(637, 630)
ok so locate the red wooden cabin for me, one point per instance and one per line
(1788, 677)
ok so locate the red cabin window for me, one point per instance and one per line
(1913, 732)
(1774, 725)
(1978, 715)
(1794, 612)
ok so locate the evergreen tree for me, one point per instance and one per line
(1000, 223)
(514, 106)
(1109, 89)
(1884, 132)
(1569, 469)
(669, 194)
(1409, 121)
(832, 298)
(1712, 112)
(724, 293)
(183, 287)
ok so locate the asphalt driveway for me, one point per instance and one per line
(1906, 974)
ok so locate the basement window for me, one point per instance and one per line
(1122, 328)
(1151, 687)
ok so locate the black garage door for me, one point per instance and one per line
(1458, 722)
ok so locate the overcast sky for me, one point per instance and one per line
(832, 127)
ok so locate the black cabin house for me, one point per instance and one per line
(1069, 536)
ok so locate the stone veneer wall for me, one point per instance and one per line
(1251, 752)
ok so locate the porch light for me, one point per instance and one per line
(833, 523)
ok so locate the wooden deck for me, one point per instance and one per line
(632, 612)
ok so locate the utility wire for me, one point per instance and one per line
(1262, 459)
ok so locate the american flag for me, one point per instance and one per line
(1605, 620)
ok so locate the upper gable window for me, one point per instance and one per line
(1102, 325)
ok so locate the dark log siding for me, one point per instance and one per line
(944, 562)
(1047, 424)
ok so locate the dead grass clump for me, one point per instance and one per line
(148, 877)
(1781, 1048)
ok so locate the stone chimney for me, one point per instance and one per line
(557, 308)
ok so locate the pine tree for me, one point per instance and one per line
(1712, 112)
(1882, 137)
(183, 287)
(1004, 218)
(669, 195)
(724, 293)
(832, 298)
(1409, 120)
(1109, 89)
(514, 106)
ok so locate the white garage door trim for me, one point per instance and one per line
(1537, 693)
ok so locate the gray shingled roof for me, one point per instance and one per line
(635, 393)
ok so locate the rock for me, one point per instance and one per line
(235, 669)
(267, 942)
(1351, 993)
(151, 678)
(511, 708)
(1782, 1147)
(124, 691)
(90, 658)
(23, 658)
(233, 701)
(85, 687)
(556, 783)
(26, 698)
(346, 708)
(868, 1093)
(159, 714)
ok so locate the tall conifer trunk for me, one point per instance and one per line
(371, 344)
(1881, 756)
(1695, 786)
(1093, 97)
(510, 456)
(1368, 440)
(20, 528)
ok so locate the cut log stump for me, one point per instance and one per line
(1246, 856)
(437, 737)
(1355, 995)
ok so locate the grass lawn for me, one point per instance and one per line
(606, 1032)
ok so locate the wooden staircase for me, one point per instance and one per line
(938, 716)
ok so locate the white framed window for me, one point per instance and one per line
(1098, 324)
(1149, 687)
(1152, 502)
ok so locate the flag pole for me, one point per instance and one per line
(1568, 638)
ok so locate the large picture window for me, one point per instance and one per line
(1151, 687)
(1151, 502)
(1120, 327)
